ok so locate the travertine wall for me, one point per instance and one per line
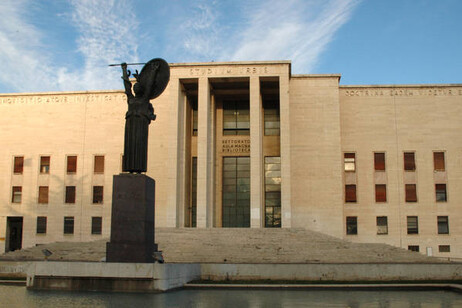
(394, 120)
(56, 125)
(316, 172)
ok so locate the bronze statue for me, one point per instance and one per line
(151, 82)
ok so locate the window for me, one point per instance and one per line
(16, 195)
(97, 194)
(440, 192)
(409, 161)
(380, 193)
(193, 201)
(444, 248)
(43, 195)
(236, 118)
(41, 225)
(412, 225)
(69, 225)
(70, 194)
(351, 225)
(18, 164)
(273, 192)
(99, 164)
(443, 225)
(271, 117)
(236, 191)
(350, 193)
(382, 225)
(414, 248)
(96, 225)
(349, 161)
(411, 193)
(438, 161)
(194, 118)
(379, 161)
(44, 164)
(71, 164)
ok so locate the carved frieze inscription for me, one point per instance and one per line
(230, 70)
(235, 146)
(404, 92)
(61, 99)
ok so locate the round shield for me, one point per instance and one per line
(154, 77)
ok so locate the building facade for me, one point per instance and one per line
(243, 144)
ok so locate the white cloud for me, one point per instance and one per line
(105, 34)
(107, 31)
(297, 30)
(292, 30)
(200, 32)
(23, 67)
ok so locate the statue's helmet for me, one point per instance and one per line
(138, 89)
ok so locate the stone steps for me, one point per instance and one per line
(233, 245)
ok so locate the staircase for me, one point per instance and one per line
(233, 245)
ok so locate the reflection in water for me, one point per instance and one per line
(14, 296)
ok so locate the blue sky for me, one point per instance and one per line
(58, 45)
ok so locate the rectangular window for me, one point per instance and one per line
(99, 164)
(236, 118)
(97, 194)
(414, 248)
(382, 225)
(44, 164)
(443, 225)
(349, 162)
(96, 225)
(440, 192)
(379, 161)
(409, 161)
(350, 193)
(71, 164)
(193, 213)
(444, 248)
(438, 161)
(236, 191)
(70, 194)
(271, 117)
(69, 225)
(43, 195)
(273, 192)
(412, 225)
(41, 225)
(380, 193)
(411, 193)
(351, 225)
(194, 118)
(16, 195)
(18, 164)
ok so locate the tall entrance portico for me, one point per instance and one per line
(232, 168)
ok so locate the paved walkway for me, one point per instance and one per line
(238, 246)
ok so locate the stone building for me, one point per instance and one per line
(243, 144)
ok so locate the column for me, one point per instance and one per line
(176, 172)
(204, 159)
(256, 150)
(285, 150)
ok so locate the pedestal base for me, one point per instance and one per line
(132, 222)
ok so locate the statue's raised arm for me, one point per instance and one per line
(126, 78)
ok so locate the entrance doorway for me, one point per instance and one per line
(13, 233)
(236, 192)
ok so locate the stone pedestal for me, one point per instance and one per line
(132, 222)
